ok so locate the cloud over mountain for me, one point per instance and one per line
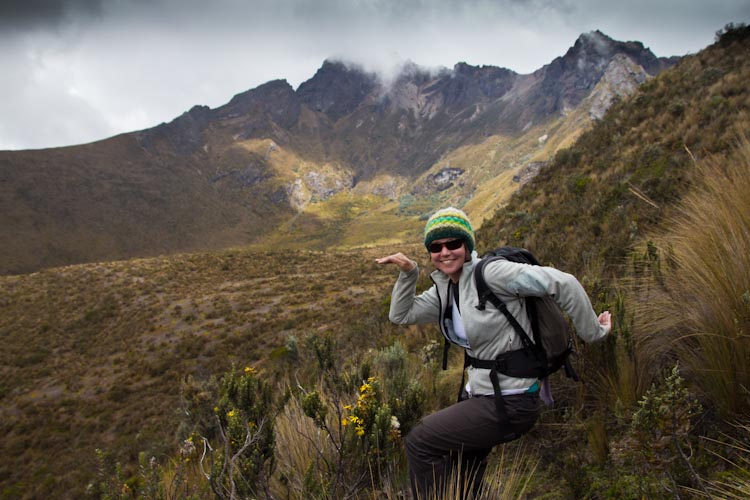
(103, 67)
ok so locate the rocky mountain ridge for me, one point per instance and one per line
(264, 164)
(342, 102)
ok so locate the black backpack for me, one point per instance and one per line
(552, 339)
(552, 343)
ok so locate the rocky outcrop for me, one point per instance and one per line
(322, 186)
(566, 81)
(621, 79)
(439, 181)
(529, 171)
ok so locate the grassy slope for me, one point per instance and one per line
(113, 200)
(599, 197)
(355, 218)
(93, 355)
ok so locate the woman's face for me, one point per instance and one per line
(448, 260)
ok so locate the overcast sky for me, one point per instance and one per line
(76, 71)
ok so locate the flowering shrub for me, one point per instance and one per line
(241, 462)
(371, 420)
(406, 397)
(361, 427)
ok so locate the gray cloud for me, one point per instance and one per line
(87, 69)
(19, 15)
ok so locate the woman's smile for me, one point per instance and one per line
(449, 259)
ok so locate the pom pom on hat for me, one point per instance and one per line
(449, 223)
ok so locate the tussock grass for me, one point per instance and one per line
(696, 304)
(508, 476)
(734, 485)
(303, 449)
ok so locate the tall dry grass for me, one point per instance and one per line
(507, 477)
(734, 485)
(302, 449)
(305, 452)
(696, 306)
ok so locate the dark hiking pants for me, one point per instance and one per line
(456, 440)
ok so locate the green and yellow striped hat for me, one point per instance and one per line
(449, 223)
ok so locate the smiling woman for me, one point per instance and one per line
(497, 405)
(449, 238)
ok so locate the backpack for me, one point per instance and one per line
(552, 343)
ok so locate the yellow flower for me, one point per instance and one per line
(344, 422)
(230, 414)
(360, 430)
(249, 370)
(348, 407)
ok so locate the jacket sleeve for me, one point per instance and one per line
(407, 308)
(523, 280)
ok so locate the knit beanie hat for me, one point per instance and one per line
(449, 223)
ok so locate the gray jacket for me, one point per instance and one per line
(488, 331)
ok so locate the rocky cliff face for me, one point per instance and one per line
(621, 78)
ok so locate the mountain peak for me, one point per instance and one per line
(337, 88)
(593, 46)
(595, 40)
(266, 90)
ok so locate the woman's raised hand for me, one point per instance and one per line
(402, 261)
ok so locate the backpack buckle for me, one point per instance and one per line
(501, 365)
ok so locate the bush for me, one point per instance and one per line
(241, 459)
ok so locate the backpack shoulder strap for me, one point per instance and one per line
(485, 294)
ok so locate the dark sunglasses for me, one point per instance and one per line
(450, 245)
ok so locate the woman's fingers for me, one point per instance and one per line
(402, 261)
(605, 319)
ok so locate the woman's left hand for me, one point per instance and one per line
(605, 320)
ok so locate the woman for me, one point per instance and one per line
(464, 433)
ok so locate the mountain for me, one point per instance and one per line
(346, 159)
(616, 184)
(111, 356)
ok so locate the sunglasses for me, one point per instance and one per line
(450, 245)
